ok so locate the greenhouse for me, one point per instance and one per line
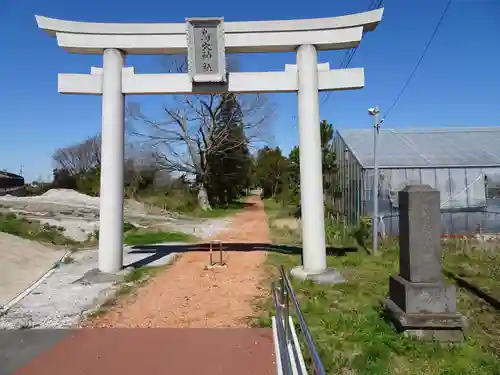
(463, 164)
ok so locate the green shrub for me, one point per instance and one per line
(363, 231)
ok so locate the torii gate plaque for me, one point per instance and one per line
(206, 51)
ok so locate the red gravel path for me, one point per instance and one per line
(188, 295)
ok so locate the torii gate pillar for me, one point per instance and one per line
(311, 174)
(112, 160)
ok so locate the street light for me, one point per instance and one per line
(375, 112)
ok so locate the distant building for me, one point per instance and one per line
(11, 183)
(463, 164)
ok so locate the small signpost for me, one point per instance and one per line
(216, 246)
(206, 50)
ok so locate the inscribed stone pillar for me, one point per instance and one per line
(419, 301)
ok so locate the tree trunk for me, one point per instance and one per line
(275, 187)
(203, 202)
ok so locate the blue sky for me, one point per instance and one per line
(457, 84)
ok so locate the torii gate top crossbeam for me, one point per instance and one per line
(241, 37)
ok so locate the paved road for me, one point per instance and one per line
(187, 351)
(22, 262)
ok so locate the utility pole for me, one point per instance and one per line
(375, 112)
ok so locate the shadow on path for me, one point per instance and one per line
(159, 251)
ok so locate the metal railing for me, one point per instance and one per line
(283, 294)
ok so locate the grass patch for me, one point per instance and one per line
(185, 202)
(477, 262)
(34, 230)
(274, 211)
(353, 336)
(154, 237)
(142, 274)
(350, 332)
(219, 212)
(173, 200)
(127, 227)
(335, 234)
(136, 236)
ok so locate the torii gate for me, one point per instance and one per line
(206, 41)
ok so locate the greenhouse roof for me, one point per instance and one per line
(431, 148)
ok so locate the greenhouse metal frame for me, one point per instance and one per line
(462, 163)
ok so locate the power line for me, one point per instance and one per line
(349, 55)
(375, 4)
(372, 4)
(419, 60)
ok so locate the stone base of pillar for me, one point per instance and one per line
(94, 276)
(328, 276)
(426, 311)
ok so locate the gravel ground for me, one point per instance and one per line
(78, 214)
(75, 288)
(60, 300)
(71, 290)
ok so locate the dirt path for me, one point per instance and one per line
(187, 295)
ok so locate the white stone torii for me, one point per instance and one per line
(115, 40)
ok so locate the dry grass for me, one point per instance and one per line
(477, 261)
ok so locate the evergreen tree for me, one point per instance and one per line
(229, 160)
(327, 156)
(328, 161)
(271, 171)
(294, 176)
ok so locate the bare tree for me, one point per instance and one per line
(141, 156)
(79, 158)
(190, 132)
(140, 160)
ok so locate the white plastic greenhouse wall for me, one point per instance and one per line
(463, 164)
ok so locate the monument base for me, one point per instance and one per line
(427, 327)
(422, 297)
(328, 276)
(426, 311)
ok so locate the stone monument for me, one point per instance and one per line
(419, 302)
